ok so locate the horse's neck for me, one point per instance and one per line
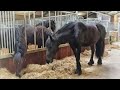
(63, 37)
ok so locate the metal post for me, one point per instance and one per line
(49, 20)
(3, 28)
(13, 12)
(34, 30)
(25, 26)
(10, 29)
(42, 30)
(11, 17)
(9, 32)
(6, 29)
(60, 19)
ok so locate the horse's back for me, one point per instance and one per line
(89, 36)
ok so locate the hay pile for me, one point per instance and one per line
(5, 74)
(32, 47)
(63, 69)
(59, 69)
(87, 53)
(110, 47)
(4, 51)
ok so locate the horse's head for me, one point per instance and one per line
(52, 47)
(18, 60)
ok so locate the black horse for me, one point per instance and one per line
(46, 24)
(20, 48)
(30, 34)
(38, 30)
(77, 35)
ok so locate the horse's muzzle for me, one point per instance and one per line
(49, 61)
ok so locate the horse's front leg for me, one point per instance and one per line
(78, 65)
(76, 52)
(92, 54)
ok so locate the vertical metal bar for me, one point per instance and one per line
(1, 29)
(55, 18)
(6, 23)
(9, 32)
(42, 30)
(58, 20)
(61, 19)
(4, 27)
(49, 20)
(13, 12)
(11, 21)
(25, 26)
(34, 30)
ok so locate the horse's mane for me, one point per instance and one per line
(20, 43)
(81, 26)
(66, 27)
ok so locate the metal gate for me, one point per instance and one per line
(7, 32)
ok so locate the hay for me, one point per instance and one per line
(32, 47)
(5, 74)
(60, 69)
(4, 51)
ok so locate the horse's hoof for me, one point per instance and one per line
(79, 72)
(90, 63)
(18, 75)
(99, 63)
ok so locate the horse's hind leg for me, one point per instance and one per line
(76, 52)
(92, 54)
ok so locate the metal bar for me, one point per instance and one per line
(0, 31)
(1, 28)
(34, 30)
(61, 19)
(6, 23)
(13, 12)
(4, 28)
(11, 21)
(49, 20)
(42, 30)
(9, 32)
(25, 27)
(55, 18)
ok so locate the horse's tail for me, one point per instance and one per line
(100, 45)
